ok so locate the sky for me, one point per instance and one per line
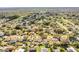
(39, 3)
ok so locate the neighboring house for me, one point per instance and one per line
(1, 34)
(20, 50)
(13, 38)
(44, 49)
(71, 49)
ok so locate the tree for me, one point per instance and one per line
(13, 17)
(18, 27)
(13, 32)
